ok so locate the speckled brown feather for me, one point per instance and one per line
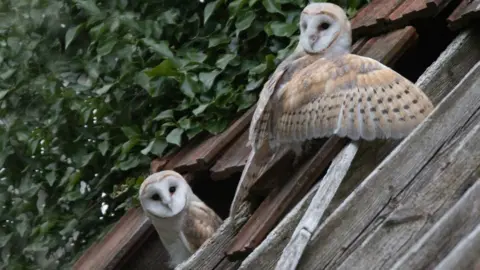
(200, 224)
(349, 96)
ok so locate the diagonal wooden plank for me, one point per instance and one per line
(316, 210)
(467, 11)
(465, 254)
(413, 212)
(343, 227)
(373, 17)
(457, 223)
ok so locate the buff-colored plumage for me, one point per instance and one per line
(182, 221)
(328, 91)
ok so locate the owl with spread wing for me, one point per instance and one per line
(324, 90)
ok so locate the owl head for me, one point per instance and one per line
(325, 28)
(164, 194)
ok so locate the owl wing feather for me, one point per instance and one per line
(262, 154)
(200, 224)
(348, 96)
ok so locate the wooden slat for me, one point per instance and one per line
(116, 243)
(383, 15)
(421, 204)
(415, 9)
(373, 17)
(233, 159)
(317, 208)
(436, 81)
(202, 155)
(457, 223)
(465, 255)
(273, 208)
(337, 234)
(466, 12)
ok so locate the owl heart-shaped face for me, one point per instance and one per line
(324, 28)
(164, 194)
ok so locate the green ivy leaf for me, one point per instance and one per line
(200, 109)
(166, 68)
(3, 93)
(167, 114)
(223, 61)
(131, 132)
(104, 89)
(51, 177)
(7, 74)
(208, 78)
(280, 29)
(71, 34)
(244, 20)
(106, 47)
(156, 147)
(103, 147)
(4, 240)
(189, 87)
(272, 6)
(175, 136)
(218, 39)
(209, 9)
(161, 48)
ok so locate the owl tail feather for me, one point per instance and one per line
(256, 164)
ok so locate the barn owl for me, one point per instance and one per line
(328, 91)
(182, 221)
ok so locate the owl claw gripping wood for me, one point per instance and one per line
(323, 90)
(182, 221)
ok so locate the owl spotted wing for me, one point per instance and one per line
(261, 154)
(349, 96)
(259, 126)
(200, 224)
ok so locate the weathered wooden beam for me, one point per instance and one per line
(436, 81)
(415, 9)
(116, 243)
(457, 223)
(381, 16)
(316, 210)
(336, 235)
(430, 194)
(465, 254)
(266, 254)
(466, 12)
(373, 17)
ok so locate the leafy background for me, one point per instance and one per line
(90, 91)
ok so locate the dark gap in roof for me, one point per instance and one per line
(218, 195)
(433, 38)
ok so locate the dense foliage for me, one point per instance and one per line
(91, 90)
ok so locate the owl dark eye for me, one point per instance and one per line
(304, 25)
(155, 197)
(323, 26)
(172, 189)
